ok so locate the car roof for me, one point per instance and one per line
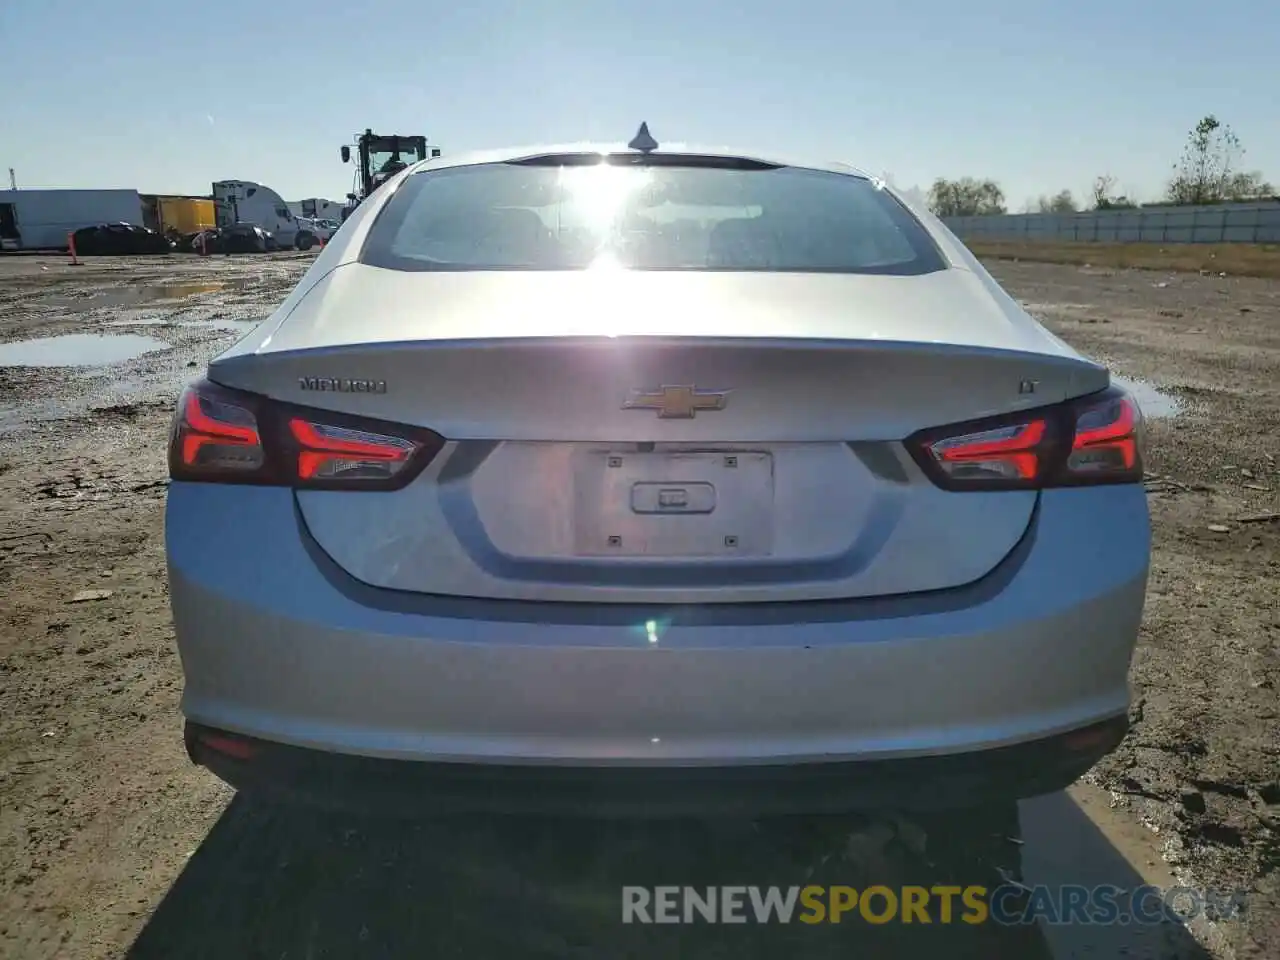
(508, 154)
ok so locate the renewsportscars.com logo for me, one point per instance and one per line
(1009, 904)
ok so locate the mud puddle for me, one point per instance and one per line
(230, 324)
(1153, 401)
(78, 350)
(1086, 837)
(145, 293)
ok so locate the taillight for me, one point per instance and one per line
(1095, 439)
(230, 436)
(217, 437)
(337, 453)
(1009, 453)
(1107, 439)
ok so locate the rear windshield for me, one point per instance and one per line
(570, 215)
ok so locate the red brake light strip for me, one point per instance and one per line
(1116, 435)
(203, 429)
(319, 449)
(1018, 450)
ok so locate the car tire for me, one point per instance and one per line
(305, 241)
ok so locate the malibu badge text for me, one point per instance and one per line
(343, 385)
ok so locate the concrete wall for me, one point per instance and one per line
(1234, 223)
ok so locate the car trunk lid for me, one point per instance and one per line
(777, 473)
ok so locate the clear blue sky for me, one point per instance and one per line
(167, 96)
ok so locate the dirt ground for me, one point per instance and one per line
(1216, 259)
(111, 843)
(1202, 764)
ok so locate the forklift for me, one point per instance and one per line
(380, 157)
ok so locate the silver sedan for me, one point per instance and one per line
(632, 479)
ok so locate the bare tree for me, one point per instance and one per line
(966, 197)
(1103, 187)
(1249, 186)
(1104, 197)
(1207, 165)
(1061, 202)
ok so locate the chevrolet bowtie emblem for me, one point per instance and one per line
(677, 402)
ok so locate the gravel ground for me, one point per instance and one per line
(1202, 764)
(111, 843)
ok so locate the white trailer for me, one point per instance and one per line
(243, 201)
(317, 208)
(41, 219)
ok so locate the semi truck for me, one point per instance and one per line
(316, 208)
(243, 201)
(41, 219)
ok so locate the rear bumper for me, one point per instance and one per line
(402, 787)
(280, 645)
